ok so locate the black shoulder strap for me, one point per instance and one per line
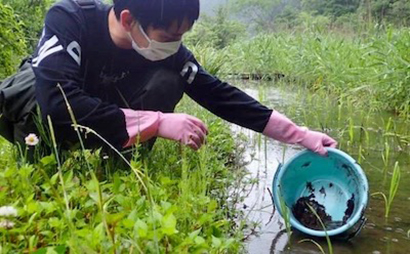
(86, 4)
(89, 8)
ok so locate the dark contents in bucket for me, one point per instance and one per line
(304, 215)
(349, 209)
(307, 218)
(309, 186)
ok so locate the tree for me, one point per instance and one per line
(331, 8)
(264, 13)
(401, 13)
(395, 11)
(217, 31)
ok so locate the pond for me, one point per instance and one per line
(377, 140)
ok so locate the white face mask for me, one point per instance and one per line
(155, 51)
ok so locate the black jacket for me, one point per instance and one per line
(76, 51)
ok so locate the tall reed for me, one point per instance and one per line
(286, 217)
(394, 186)
(329, 242)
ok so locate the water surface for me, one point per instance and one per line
(363, 132)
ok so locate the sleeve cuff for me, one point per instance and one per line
(141, 125)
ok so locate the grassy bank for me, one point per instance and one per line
(173, 200)
(371, 69)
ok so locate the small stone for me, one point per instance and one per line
(397, 219)
(399, 230)
(395, 240)
(389, 229)
(376, 252)
(384, 239)
(6, 224)
(370, 225)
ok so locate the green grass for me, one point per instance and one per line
(371, 70)
(183, 202)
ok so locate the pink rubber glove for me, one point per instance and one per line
(183, 128)
(140, 124)
(284, 130)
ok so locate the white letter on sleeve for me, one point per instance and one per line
(47, 49)
(74, 50)
(194, 71)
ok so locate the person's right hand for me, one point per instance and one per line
(281, 128)
(186, 129)
(316, 141)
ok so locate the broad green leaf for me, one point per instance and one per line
(49, 160)
(114, 218)
(169, 223)
(141, 228)
(216, 242)
(212, 206)
(199, 240)
(194, 234)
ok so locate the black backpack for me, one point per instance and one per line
(17, 97)
(18, 103)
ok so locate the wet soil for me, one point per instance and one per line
(304, 214)
(349, 209)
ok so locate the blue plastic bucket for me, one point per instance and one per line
(336, 182)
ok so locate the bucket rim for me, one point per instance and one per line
(320, 233)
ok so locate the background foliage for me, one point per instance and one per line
(21, 23)
(352, 48)
(216, 31)
(12, 41)
(31, 14)
(265, 15)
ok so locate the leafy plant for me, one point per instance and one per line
(84, 200)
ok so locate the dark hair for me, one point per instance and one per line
(159, 13)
